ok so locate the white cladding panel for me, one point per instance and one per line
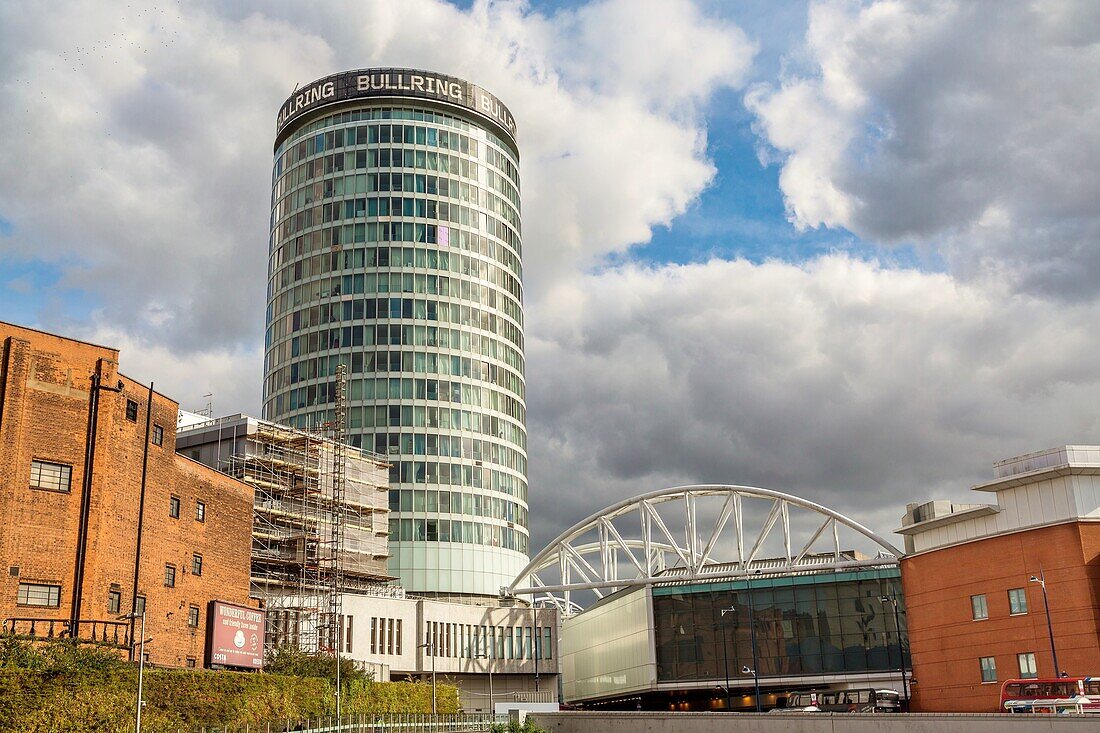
(609, 649)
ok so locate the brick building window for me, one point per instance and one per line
(170, 576)
(196, 564)
(989, 668)
(200, 511)
(190, 662)
(38, 594)
(174, 507)
(193, 616)
(1017, 601)
(51, 476)
(131, 410)
(114, 601)
(158, 435)
(139, 605)
(1028, 670)
(979, 607)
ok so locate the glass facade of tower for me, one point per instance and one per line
(395, 249)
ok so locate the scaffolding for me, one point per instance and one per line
(320, 528)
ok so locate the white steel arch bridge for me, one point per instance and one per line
(704, 532)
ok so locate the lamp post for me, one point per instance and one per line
(1042, 581)
(725, 655)
(489, 664)
(893, 601)
(752, 640)
(431, 650)
(141, 668)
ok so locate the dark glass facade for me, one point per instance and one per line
(830, 623)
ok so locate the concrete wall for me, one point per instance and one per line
(578, 722)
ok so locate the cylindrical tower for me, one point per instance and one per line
(395, 250)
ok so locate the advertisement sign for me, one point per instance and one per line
(395, 82)
(234, 636)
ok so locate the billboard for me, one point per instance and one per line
(395, 82)
(234, 636)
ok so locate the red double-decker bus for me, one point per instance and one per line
(1063, 695)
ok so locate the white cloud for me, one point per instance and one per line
(961, 126)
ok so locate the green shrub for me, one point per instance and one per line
(67, 688)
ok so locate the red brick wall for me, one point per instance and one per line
(44, 397)
(947, 642)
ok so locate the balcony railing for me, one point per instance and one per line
(91, 631)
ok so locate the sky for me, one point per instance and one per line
(846, 250)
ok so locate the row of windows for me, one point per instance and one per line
(132, 415)
(357, 233)
(174, 509)
(1025, 662)
(290, 151)
(170, 570)
(422, 309)
(322, 142)
(1017, 604)
(454, 213)
(424, 258)
(454, 446)
(48, 595)
(371, 362)
(455, 474)
(466, 641)
(319, 243)
(456, 502)
(306, 186)
(426, 389)
(385, 635)
(421, 416)
(363, 309)
(392, 334)
(444, 530)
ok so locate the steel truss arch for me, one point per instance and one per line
(615, 560)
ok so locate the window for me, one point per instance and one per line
(158, 435)
(193, 616)
(114, 601)
(131, 410)
(190, 662)
(1017, 601)
(139, 605)
(170, 576)
(174, 507)
(989, 669)
(51, 476)
(1027, 665)
(196, 564)
(39, 594)
(978, 605)
(200, 511)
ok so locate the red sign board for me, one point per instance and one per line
(234, 636)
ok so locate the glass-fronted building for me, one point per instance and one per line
(395, 250)
(671, 647)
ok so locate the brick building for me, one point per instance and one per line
(76, 439)
(976, 618)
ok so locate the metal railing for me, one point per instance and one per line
(94, 631)
(369, 723)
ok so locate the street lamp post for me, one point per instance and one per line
(1042, 581)
(725, 655)
(893, 601)
(489, 664)
(141, 668)
(431, 650)
(755, 662)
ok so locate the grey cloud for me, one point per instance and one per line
(853, 385)
(966, 127)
